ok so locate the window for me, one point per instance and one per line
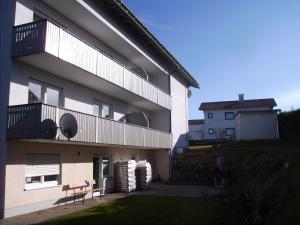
(106, 166)
(35, 92)
(135, 157)
(103, 110)
(42, 92)
(52, 95)
(210, 115)
(211, 131)
(229, 115)
(230, 132)
(42, 170)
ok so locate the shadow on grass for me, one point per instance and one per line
(147, 210)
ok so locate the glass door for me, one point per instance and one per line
(101, 169)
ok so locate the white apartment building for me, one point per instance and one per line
(241, 119)
(96, 61)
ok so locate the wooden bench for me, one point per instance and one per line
(80, 190)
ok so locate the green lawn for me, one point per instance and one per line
(147, 210)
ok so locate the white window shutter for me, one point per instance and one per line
(42, 165)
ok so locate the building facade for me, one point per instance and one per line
(240, 120)
(95, 61)
(196, 130)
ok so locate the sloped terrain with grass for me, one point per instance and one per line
(265, 183)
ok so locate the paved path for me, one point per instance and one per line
(156, 189)
(40, 216)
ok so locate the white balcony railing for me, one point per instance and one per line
(37, 121)
(44, 36)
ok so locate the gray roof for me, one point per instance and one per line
(253, 103)
(130, 22)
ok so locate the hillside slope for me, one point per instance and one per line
(265, 183)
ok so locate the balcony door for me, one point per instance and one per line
(103, 110)
(102, 168)
(52, 95)
(42, 92)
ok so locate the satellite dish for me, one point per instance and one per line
(189, 93)
(49, 129)
(68, 125)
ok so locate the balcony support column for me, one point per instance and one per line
(7, 10)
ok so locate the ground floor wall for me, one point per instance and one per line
(76, 163)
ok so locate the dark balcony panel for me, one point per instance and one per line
(32, 121)
(29, 38)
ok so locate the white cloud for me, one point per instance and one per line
(289, 100)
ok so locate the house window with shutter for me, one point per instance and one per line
(42, 170)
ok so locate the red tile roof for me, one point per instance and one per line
(253, 103)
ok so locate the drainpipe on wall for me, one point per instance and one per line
(7, 12)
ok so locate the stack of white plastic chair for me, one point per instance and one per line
(144, 175)
(125, 176)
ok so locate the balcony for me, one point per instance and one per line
(53, 49)
(36, 122)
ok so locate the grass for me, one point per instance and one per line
(147, 210)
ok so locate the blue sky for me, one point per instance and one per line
(231, 47)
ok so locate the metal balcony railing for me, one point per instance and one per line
(38, 120)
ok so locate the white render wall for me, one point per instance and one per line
(196, 132)
(218, 122)
(257, 125)
(179, 113)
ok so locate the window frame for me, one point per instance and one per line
(135, 157)
(210, 115)
(41, 100)
(230, 128)
(110, 166)
(60, 94)
(44, 86)
(100, 105)
(226, 113)
(211, 129)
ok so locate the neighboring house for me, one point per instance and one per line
(196, 130)
(241, 119)
(96, 61)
